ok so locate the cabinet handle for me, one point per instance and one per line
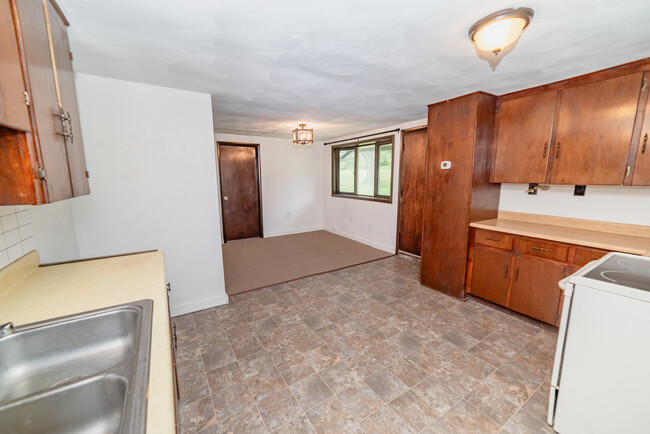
(516, 274)
(542, 249)
(645, 143)
(70, 135)
(545, 149)
(505, 271)
(557, 150)
(492, 239)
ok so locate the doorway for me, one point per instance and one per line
(241, 193)
(411, 194)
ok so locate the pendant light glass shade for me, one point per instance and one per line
(302, 135)
(497, 31)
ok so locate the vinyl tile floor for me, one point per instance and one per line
(364, 349)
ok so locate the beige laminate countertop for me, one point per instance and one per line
(29, 293)
(585, 237)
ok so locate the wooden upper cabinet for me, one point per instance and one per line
(42, 151)
(49, 127)
(69, 107)
(14, 112)
(594, 131)
(641, 172)
(523, 138)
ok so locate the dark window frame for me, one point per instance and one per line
(380, 141)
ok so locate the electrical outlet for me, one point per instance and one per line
(579, 190)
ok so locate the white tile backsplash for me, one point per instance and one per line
(16, 233)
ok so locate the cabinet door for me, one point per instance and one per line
(49, 127)
(76, 157)
(594, 131)
(535, 291)
(14, 112)
(642, 166)
(490, 272)
(523, 138)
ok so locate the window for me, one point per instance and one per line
(363, 170)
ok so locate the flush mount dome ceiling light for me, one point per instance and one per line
(302, 135)
(501, 29)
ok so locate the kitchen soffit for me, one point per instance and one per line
(341, 66)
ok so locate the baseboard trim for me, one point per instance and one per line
(193, 306)
(292, 231)
(385, 248)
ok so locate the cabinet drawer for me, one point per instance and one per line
(544, 249)
(584, 255)
(493, 239)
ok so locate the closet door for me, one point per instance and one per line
(412, 171)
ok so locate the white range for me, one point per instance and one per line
(601, 373)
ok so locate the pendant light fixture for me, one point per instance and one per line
(302, 135)
(494, 32)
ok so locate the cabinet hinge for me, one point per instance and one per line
(71, 57)
(497, 111)
(27, 98)
(87, 174)
(643, 84)
(627, 171)
(41, 174)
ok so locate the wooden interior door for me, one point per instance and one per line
(524, 132)
(412, 172)
(490, 273)
(642, 165)
(76, 156)
(44, 100)
(240, 191)
(594, 131)
(535, 291)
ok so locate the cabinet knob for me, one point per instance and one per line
(545, 150)
(557, 150)
(225, 198)
(645, 143)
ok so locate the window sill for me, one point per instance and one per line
(368, 198)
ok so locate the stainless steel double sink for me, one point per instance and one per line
(87, 372)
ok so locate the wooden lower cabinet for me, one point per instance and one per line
(490, 275)
(535, 291)
(522, 273)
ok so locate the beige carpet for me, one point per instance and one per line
(258, 262)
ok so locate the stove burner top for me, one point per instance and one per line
(624, 271)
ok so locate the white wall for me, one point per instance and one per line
(629, 205)
(291, 184)
(54, 232)
(153, 185)
(372, 223)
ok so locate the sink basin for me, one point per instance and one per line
(93, 405)
(86, 372)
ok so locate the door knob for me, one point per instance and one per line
(225, 198)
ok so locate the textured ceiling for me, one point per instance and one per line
(341, 66)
